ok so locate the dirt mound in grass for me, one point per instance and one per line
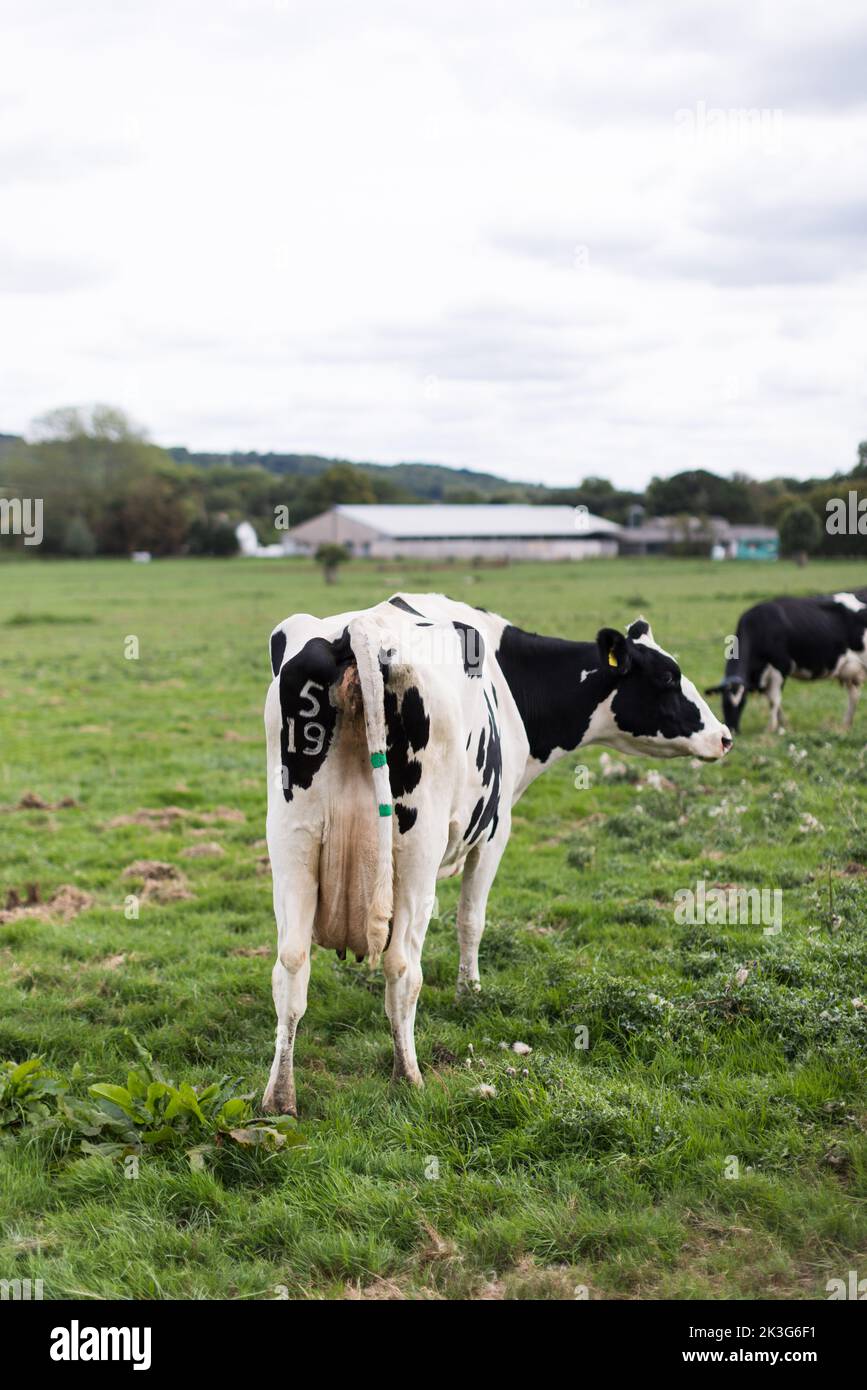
(156, 817)
(387, 1291)
(32, 801)
(204, 849)
(65, 903)
(13, 898)
(161, 883)
(68, 901)
(164, 817)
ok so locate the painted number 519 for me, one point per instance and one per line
(312, 732)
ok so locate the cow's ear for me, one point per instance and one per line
(733, 683)
(614, 650)
(640, 628)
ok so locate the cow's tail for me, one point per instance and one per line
(365, 640)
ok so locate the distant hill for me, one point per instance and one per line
(432, 482)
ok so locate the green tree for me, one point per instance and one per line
(212, 537)
(331, 557)
(78, 539)
(800, 532)
(224, 542)
(700, 493)
(96, 465)
(342, 483)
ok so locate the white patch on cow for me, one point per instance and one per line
(849, 601)
(585, 674)
(851, 667)
(736, 694)
(647, 638)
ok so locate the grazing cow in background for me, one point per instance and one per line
(810, 639)
(399, 739)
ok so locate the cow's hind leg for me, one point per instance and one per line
(854, 690)
(401, 965)
(480, 871)
(772, 685)
(294, 907)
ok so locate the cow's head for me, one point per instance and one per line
(653, 708)
(733, 693)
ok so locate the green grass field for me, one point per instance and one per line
(607, 1168)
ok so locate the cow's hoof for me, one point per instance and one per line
(467, 987)
(410, 1078)
(279, 1102)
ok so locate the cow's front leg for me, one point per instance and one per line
(479, 873)
(294, 907)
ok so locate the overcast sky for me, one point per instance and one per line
(533, 238)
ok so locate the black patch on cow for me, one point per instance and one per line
(480, 756)
(469, 738)
(472, 648)
(408, 731)
(406, 817)
(486, 811)
(639, 628)
(306, 732)
(649, 699)
(544, 676)
(669, 713)
(278, 647)
(407, 607)
(424, 624)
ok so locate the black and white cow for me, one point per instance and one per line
(807, 638)
(399, 739)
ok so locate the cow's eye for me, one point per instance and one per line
(669, 680)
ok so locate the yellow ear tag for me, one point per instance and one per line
(612, 659)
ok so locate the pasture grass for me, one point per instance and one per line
(713, 1048)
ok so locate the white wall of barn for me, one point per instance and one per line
(494, 548)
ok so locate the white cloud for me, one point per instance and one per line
(485, 235)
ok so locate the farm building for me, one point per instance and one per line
(490, 531)
(724, 540)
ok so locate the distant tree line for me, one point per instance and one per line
(108, 490)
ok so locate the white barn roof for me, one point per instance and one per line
(445, 521)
